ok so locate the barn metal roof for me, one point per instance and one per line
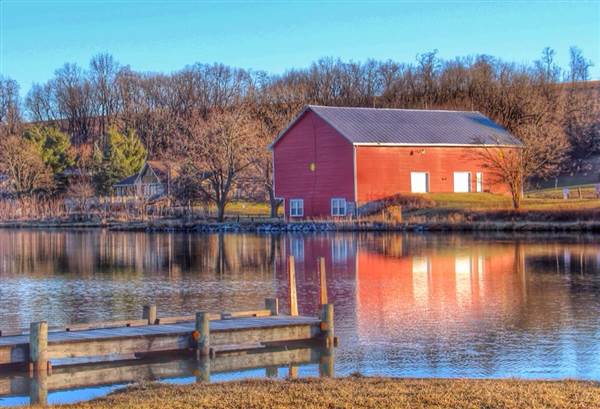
(382, 126)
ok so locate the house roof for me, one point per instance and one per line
(382, 126)
(162, 169)
(128, 181)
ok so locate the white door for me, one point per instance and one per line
(462, 182)
(418, 182)
(479, 181)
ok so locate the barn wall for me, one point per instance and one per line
(312, 140)
(382, 171)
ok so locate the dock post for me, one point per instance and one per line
(326, 362)
(149, 313)
(292, 289)
(38, 345)
(203, 371)
(323, 280)
(272, 304)
(327, 324)
(271, 372)
(38, 389)
(203, 328)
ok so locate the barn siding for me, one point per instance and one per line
(382, 171)
(312, 140)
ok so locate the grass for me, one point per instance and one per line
(358, 392)
(248, 209)
(549, 199)
(542, 200)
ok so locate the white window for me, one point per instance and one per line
(338, 207)
(462, 182)
(296, 207)
(479, 182)
(419, 182)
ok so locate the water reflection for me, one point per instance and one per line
(405, 304)
(68, 384)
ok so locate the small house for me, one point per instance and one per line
(152, 182)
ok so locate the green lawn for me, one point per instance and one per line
(248, 209)
(549, 199)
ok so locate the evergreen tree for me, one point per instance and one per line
(54, 146)
(103, 176)
(122, 155)
(127, 152)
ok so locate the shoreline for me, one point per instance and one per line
(356, 392)
(274, 227)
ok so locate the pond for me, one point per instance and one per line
(409, 305)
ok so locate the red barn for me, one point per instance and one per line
(332, 161)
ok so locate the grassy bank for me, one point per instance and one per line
(358, 392)
(541, 211)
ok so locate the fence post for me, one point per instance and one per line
(38, 345)
(272, 304)
(292, 284)
(149, 313)
(203, 328)
(323, 280)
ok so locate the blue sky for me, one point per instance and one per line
(37, 37)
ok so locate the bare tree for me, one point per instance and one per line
(541, 156)
(579, 65)
(103, 76)
(21, 162)
(41, 103)
(81, 191)
(222, 148)
(10, 113)
(547, 66)
(272, 110)
(73, 93)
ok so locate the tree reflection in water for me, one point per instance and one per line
(406, 304)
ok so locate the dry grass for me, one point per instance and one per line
(358, 392)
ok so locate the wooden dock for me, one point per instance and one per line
(112, 352)
(206, 334)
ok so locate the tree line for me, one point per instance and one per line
(218, 120)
